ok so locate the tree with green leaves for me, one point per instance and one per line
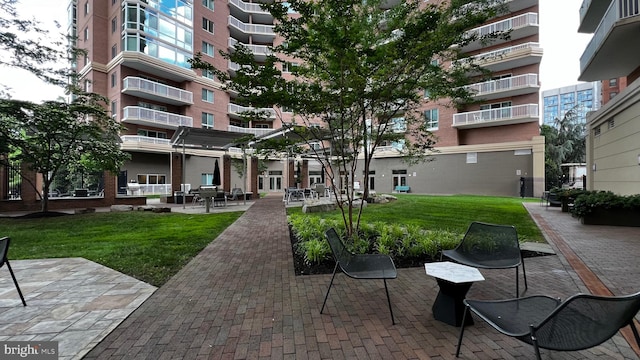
(362, 69)
(565, 143)
(54, 135)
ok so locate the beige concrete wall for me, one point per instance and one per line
(613, 154)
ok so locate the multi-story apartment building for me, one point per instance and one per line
(581, 98)
(137, 54)
(613, 140)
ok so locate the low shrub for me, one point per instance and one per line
(589, 201)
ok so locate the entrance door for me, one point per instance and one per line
(122, 182)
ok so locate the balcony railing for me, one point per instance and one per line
(501, 53)
(136, 84)
(617, 11)
(248, 7)
(500, 116)
(251, 28)
(503, 85)
(520, 21)
(238, 109)
(254, 131)
(137, 114)
(144, 140)
(258, 50)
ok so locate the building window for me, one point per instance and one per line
(207, 95)
(114, 79)
(86, 8)
(399, 178)
(398, 125)
(86, 33)
(613, 82)
(152, 134)
(611, 124)
(114, 51)
(152, 179)
(207, 25)
(206, 179)
(114, 24)
(207, 120)
(289, 67)
(596, 131)
(114, 109)
(208, 74)
(208, 4)
(208, 48)
(431, 119)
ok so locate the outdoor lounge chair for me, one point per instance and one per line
(359, 266)
(4, 249)
(490, 246)
(580, 322)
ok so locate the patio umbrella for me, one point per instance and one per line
(216, 174)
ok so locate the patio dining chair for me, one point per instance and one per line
(4, 249)
(359, 266)
(580, 322)
(490, 246)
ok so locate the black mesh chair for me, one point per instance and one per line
(580, 322)
(360, 266)
(4, 249)
(490, 246)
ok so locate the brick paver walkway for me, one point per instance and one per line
(239, 299)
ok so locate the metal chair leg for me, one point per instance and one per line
(464, 321)
(393, 321)
(329, 289)
(24, 303)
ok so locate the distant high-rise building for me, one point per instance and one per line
(582, 98)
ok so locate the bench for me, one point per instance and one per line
(403, 189)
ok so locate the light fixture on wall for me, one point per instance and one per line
(638, 159)
(593, 166)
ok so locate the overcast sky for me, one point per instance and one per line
(558, 20)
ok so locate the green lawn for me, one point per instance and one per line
(452, 213)
(148, 246)
(153, 247)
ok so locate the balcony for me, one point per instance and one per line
(236, 110)
(148, 89)
(517, 5)
(160, 119)
(500, 88)
(496, 117)
(520, 26)
(245, 32)
(591, 12)
(260, 52)
(254, 131)
(612, 52)
(244, 10)
(155, 66)
(145, 144)
(510, 57)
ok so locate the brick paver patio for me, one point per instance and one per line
(240, 299)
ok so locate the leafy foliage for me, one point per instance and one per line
(362, 68)
(588, 201)
(55, 135)
(565, 143)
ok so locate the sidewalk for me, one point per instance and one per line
(239, 298)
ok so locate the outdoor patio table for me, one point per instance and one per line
(454, 281)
